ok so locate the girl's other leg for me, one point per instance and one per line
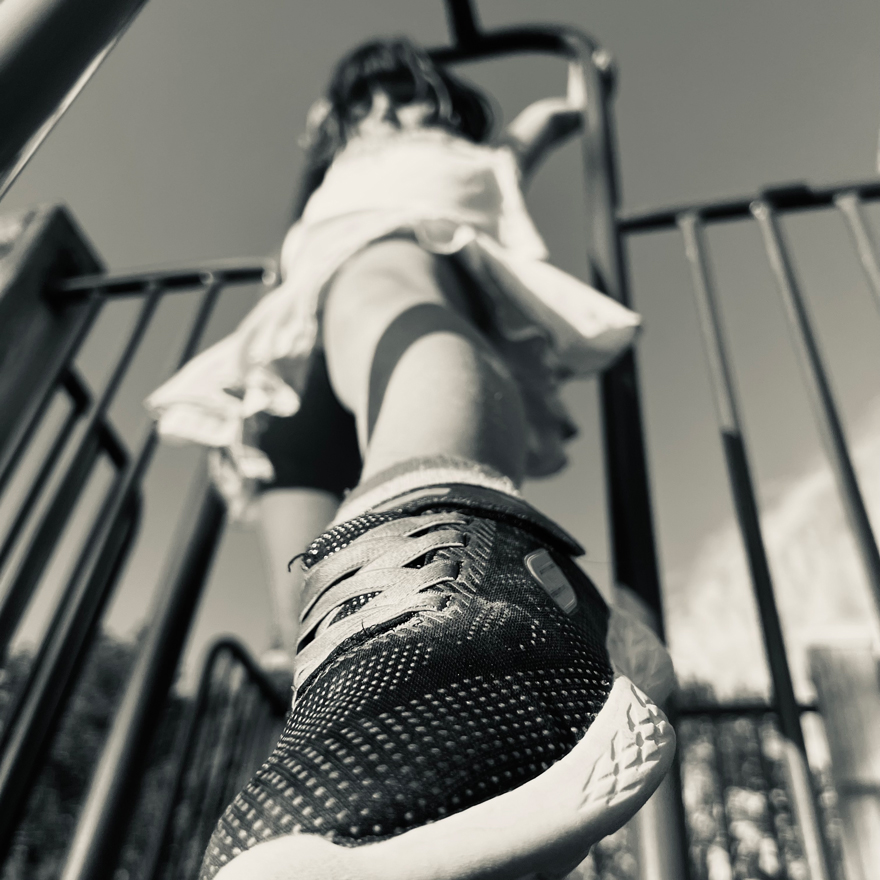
(290, 519)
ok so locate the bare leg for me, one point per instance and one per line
(430, 396)
(404, 356)
(289, 520)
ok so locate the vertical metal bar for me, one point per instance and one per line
(95, 431)
(749, 521)
(111, 795)
(712, 725)
(784, 811)
(184, 853)
(712, 336)
(819, 391)
(632, 530)
(190, 848)
(31, 569)
(849, 693)
(240, 708)
(850, 205)
(661, 827)
(44, 540)
(80, 400)
(12, 452)
(58, 662)
(272, 706)
(211, 802)
(739, 474)
(70, 631)
(38, 484)
(37, 338)
(98, 832)
(661, 832)
(462, 21)
(213, 289)
(153, 859)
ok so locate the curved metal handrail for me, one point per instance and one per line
(49, 50)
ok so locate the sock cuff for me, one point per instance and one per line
(416, 473)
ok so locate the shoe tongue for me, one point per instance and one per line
(481, 500)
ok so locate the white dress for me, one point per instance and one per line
(455, 197)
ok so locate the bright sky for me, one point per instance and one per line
(183, 148)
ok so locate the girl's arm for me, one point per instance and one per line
(545, 124)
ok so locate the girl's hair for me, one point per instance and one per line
(406, 73)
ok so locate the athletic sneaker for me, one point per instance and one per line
(455, 714)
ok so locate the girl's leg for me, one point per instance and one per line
(453, 653)
(405, 358)
(290, 519)
(315, 457)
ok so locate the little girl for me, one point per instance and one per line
(456, 713)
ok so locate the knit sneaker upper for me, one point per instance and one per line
(436, 671)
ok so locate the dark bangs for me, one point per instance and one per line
(406, 73)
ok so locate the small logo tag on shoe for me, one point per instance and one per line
(549, 575)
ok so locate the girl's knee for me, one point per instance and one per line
(382, 288)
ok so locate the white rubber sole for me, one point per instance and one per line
(545, 826)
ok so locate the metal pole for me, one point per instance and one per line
(38, 484)
(84, 595)
(632, 530)
(463, 25)
(27, 577)
(849, 694)
(111, 795)
(750, 527)
(850, 205)
(26, 745)
(37, 339)
(660, 824)
(819, 391)
(277, 704)
(112, 789)
(49, 49)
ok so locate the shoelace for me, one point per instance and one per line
(377, 565)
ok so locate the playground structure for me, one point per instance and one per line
(52, 288)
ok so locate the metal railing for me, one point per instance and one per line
(766, 209)
(52, 315)
(51, 292)
(231, 726)
(48, 52)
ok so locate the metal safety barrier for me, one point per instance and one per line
(232, 725)
(45, 318)
(52, 289)
(766, 209)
